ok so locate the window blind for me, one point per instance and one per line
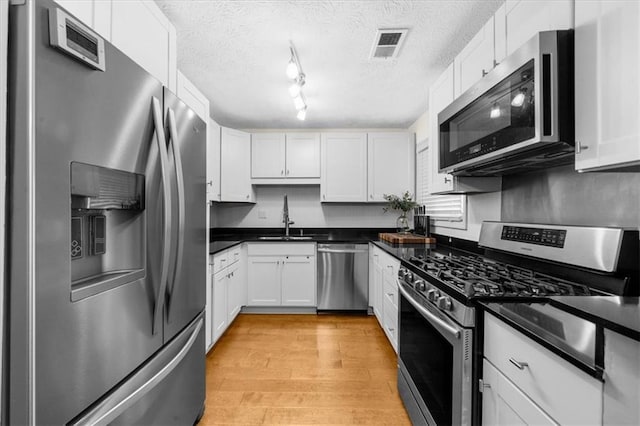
(450, 208)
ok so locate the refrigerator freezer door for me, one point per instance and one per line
(167, 390)
(186, 134)
(63, 111)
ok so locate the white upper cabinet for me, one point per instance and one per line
(193, 97)
(213, 162)
(140, 30)
(303, 155)
(285, 156)
(391, 164)
(525, 18)
(268, 152)
(344, 167)
(136, 27)
(475, 60)
(607, 88)
(235, 168)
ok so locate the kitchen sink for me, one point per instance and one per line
(284, 238)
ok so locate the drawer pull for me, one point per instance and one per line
(520, 365)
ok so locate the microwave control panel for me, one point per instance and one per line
(539, 236)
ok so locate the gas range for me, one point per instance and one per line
(525, 262)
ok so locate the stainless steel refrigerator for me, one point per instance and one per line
(106, 233)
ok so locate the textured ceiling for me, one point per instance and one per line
(236, 52)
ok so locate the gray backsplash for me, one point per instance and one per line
(563, 196)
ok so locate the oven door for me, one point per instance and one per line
(435, 362)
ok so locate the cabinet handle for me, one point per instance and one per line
(580, 147)
(324, 197)
(495, 63)
(287, 172)
(447, 180)
(484, 72)
(210, 183)
(520, 365)
(247, 196)
(371, 196)
(483, 385)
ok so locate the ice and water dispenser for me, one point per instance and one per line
(107, 229)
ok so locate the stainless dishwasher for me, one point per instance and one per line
(343, 277)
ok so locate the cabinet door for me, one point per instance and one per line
(441, 94)
(378, 284)
(391, 164)
(622, 379)
(344, 167)
(213, 161)
(219, 304)
(504, 404)
(264, 276)
(235, 179)
(193, 97)
(475, 60)
(299, 281)
(142, 32)
(208, 313)
(525, 18)
(303, 155)
(607, 64)
(234, 293)
(268, 155)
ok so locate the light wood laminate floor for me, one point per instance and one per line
(303, 370)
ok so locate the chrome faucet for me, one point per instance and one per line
(285, 217)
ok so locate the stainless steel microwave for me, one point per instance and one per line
(518, 118)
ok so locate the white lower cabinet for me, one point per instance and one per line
(383, 292)
(504, 404)
(220, 322)
(227, 292)
(281, 274)
(621, 379)
(532, 385)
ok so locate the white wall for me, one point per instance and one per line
(480, 207)
(305, 209)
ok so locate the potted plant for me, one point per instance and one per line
(404, 204)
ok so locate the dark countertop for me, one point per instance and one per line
(619, 314)
(224, 238)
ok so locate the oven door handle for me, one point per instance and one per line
(431, 317)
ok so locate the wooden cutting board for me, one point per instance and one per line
(395, 238)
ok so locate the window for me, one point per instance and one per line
(448, 211)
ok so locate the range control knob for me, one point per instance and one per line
(408, 277)
(444, 303)
(402, 272)
(419, 285)
(432, 294)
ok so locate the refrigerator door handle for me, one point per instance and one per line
(166, 248)
(143, 382)
(173, 140)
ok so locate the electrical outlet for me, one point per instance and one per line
(262, 214)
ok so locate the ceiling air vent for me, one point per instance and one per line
(387, 43)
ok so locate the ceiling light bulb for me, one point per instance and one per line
(302, 114)
(495, 112)
(294, 90)
(292, 70)
(299, 103)
(518, 100)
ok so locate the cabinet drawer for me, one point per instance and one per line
(233, 255)
(219, 261)
(567, 394)
(281, 249)
(390, 290)
(390, 322)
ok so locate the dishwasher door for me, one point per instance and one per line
(343, 277)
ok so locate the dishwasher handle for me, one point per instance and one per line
(329, 250)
